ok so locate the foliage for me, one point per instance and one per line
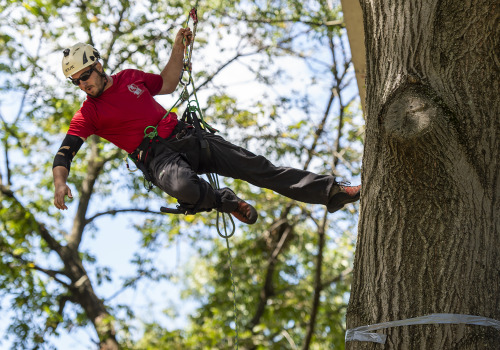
(294, 63)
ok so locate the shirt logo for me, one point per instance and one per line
(135, 89)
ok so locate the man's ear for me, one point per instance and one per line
(100, 68)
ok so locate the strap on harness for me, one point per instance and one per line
(140, 157)
(189, 118)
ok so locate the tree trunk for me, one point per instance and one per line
(429, 230)
(82, 293)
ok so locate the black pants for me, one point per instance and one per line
(176, 164)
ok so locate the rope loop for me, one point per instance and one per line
(128, 166)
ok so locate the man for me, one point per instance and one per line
(120, 107)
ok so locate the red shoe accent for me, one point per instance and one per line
(346, 194)
(352, 191)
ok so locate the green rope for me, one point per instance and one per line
(234, 291)
(214, 182)
(194, 106)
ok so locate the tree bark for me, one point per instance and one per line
(81, 288)
(430, 220)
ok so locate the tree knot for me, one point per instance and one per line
(410, 113)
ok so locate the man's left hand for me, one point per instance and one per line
(183, 37)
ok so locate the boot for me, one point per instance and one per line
(229, 202)
(342, 195)
(245, 212)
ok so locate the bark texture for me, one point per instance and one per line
(429, 230)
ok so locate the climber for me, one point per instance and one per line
(119, 107)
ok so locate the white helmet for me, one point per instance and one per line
(78, 57)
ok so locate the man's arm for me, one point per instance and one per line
(172, 70)
(61, 166)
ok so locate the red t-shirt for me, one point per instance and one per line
(124, 110)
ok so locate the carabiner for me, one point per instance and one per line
(181, 81)
(151, 134)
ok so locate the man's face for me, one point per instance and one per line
(89, 81)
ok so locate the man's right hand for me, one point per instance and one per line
(60, 193)
(61, 189)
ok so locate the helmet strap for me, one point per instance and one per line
(102, 75)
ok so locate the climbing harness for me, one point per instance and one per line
(192, 117)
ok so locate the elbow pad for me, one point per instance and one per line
(70, 145)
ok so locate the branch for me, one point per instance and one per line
(53, 324)
(19, 113)
(81, 287)
(305, 57)
(334, 23)
(340, 157)
(287, 336)
(338, 79)
(113, 154)
(317, 283)
(117, 211)
(94, 168)
(125, 286)
(324, 284)
(6, 191)
(49, 272)
(84, 22)
(218, 70)
(42, 230)
(116, 32)
(268, 289)
(237, 56)
(319, 131)
(5, 141)
(337, 278)
(240, 55)
(31, 77)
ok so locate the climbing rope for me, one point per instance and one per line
(227, 231)
(226, 237)
(213, 179)
(224, 222)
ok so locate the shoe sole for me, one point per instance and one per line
(345, 199)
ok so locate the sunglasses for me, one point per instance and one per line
(84, 77)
